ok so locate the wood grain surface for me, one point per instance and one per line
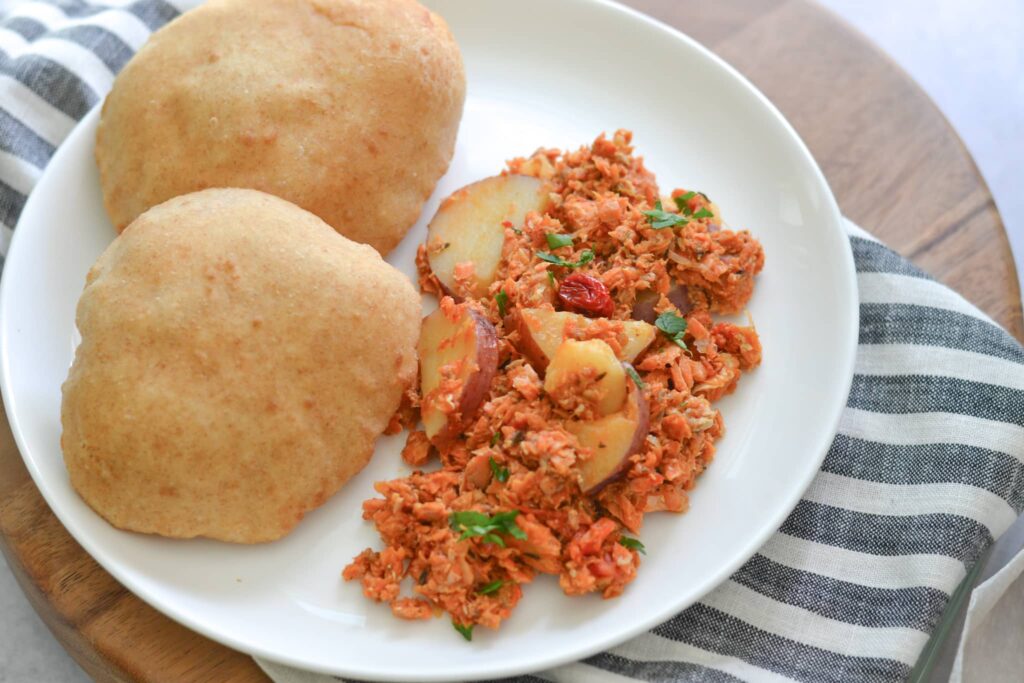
(892, 160)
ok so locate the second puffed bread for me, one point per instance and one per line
(348, 108)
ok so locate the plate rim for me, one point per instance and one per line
(846, 360)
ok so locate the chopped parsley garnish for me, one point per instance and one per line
(585, 257)
(551, 277)
(466, 631)
(500, 473)
(635, 376)
(556, 241)
(501, 298)
(493, 586)
(632, 544)
(477, 524)
(659, 218)
(672, 326)
(495, 438)
(682, 201)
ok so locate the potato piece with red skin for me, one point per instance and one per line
(612, 439)
(458, 351)
(466, 236)
(542, 331)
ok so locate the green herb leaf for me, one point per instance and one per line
(500, 473)
(551, 278)
(556, 241)
(466, 631)
(703, 213)
(671, 324)
(502, 300)
(551, 258)
(673, 327)
(682, 201)
(635, 376)
(632, 544)
(663, 219)
(468, 518)
(586, 256)
(495, 438)
(507, 522)
(493, 587)
(477, 524)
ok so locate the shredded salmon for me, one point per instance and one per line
(516, 455)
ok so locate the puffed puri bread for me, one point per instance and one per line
(348, 108)
(238, 361)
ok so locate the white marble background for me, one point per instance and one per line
(968, 55)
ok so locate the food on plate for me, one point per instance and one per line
(612, 439)
(586, 378)
(348, 108)
(541, 331)
(592, 418)
(647, 302)
(466, 236)
(238, 361)
(458, 350)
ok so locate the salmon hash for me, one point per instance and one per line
(567, 382)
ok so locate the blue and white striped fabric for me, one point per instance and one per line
(926, 471)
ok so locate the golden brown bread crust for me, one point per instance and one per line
(238, 360)
(348, 108)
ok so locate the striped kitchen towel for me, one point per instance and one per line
(926, 470)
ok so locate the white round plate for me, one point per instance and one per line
(541, 73)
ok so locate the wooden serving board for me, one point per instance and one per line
(893, 161)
